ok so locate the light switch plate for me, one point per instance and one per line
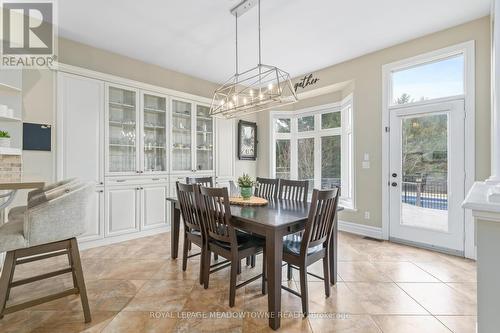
(366, 157)
(366, 165)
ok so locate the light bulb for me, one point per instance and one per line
(222, 102)
(245, 100)
(230, 104)
(270, 86)
(235, 98)
(251, 92)
(261, 96)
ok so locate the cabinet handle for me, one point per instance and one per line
(120, 180)
(137, 188)
(101, 191)
(156, 179)
(101, 183)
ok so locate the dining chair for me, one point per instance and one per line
(302, 250)
(267, 188)
(192, 226)
(47, 229)
(296, 190)
(203, 181)
(223, 239)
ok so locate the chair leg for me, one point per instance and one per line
(289, 272)
(202, 263)
(70, 261)
(248, 261)
(239, 267)
(232, 282)
(6, 279)
(264, 273)
(326, 274)
(206, 268)
(185, 252)
(252, 260)
(303, 289)
(189, 245)
(216, 256)
(77, 270)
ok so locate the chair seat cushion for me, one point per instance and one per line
(292, 244)
(12, 236)
(245, 241)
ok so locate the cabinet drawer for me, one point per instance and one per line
(118, 181)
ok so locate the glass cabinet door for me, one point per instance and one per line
(181, 136)
(122, 122)
(204, 138)
(154, 122)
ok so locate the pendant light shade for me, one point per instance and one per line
(257, 89)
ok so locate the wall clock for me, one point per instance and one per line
(247, 140)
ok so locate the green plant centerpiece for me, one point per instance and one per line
(4, 139)
(246, 183)
(4, 134)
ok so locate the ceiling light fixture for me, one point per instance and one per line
(257, 89)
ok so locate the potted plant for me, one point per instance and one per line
(4, 139)
(246, 183)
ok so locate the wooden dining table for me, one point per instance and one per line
(273, 221)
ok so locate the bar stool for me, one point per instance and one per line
(47, 228)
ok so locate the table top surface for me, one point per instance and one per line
(276, 214)
(20, 185)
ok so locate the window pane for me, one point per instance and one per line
(330, 120)
(330, 161)
(283, 159)
(282, 125)
(306, 124)
(306, 161)
(432, 80)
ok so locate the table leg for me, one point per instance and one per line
(175, 222)
(333, 253)
(274, 256)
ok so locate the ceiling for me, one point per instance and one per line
(196, 37)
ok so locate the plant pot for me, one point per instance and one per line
(246, 192)
(5, 142)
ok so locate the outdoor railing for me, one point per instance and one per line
(419, 192)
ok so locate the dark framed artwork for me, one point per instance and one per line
(247, 140)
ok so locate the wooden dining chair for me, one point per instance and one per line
(203, 181)
(191, 218)
(302, 250)
(267, 188)
(296, 190)
(223, 239)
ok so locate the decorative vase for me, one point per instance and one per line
(246, 192)
(5, 142)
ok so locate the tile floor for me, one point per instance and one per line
(135, 287)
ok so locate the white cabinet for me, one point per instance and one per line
(95, 222)
(154, 206)
(122, 210)
(225, 151)
(80, 128)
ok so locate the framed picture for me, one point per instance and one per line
(247, 140)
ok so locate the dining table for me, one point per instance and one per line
(273, 221)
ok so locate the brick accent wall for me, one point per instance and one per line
(10, 168)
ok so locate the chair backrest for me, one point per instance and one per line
(203, 181)
(319, 225)
(267, 188)
(293, 189)
(39, 193)
(215, 214)
(189, 207)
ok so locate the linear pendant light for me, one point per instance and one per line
(260, 88)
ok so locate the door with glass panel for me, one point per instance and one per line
(122, 130)
(204, 139)
(154, 123)
(182, 159)
(427, 174)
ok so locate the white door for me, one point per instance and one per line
(154, 208)
(122, 210)
(80, 133)
(427, 174)
(225, 151)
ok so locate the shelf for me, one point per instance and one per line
(8, 87)
(182, 115)
(153, 147)
(121, 105)
(204, 118)
(121, 145)
(204, 132)
(10, 151)
(184, 130)
(154, 127)
(178, 148)
(10, 119)
(203, 149)
(117, 123)
(154, 110)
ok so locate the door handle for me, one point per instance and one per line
(394, 184)
(394, 175)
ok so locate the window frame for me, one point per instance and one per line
(345, 131)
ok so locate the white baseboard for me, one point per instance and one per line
(122, 238)
(360, 229)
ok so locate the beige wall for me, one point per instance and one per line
(366, 74)
(39, 96)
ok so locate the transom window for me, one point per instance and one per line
(316, 145)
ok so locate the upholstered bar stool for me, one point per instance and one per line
(46, 229)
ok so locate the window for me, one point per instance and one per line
(316, 145)
(431, 80)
